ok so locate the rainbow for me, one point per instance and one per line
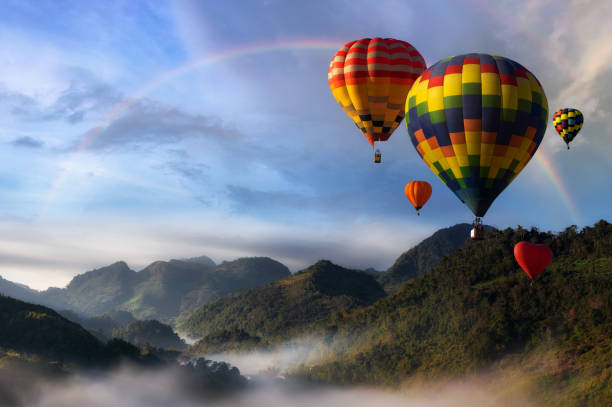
(549, 169)
(261, 48)
(116, 111)
(258, 48)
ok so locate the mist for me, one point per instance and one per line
(130, 386)
(135, 388)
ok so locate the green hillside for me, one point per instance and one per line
(476, 310)
(284, 307)
(33, 332)
(149, 332)
(422, 257)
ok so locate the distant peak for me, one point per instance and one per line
(205, 260)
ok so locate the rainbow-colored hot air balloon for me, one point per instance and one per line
(568, 123)
(370, 79)
(476, 120)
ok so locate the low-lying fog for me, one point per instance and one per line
(133, 387)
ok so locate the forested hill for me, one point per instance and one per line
(477, 308)
(422, 257)
(32, 331)
(280, 308)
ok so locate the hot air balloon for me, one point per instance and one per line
(370, 79)
(533, 258)
(476, 120)
(568, 123)
(418, 192)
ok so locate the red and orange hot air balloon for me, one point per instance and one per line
(370, 79)
(418, 193)
(533, 258)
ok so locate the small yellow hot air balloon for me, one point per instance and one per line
(568, 122)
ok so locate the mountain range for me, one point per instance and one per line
(171, 290)
(161, 291)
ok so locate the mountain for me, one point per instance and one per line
(169, 289)
(16, 290)
(205, 260)
(97, 291)
(163, 290)
(425, 255)
(477, 310)
(101, 326)
(28, 330)
(278, 309)
(149, 332)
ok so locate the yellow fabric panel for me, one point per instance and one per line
(470, 73)
(524, 89)
(454, 166)
(436, 155)
(359, 96)
(425, 146)
(498, 162)
(493, 170)
(378, 87)
(509, 97)
(342, 96)
(435, 98)
(507, 159)
(472, 139)
(490, 83)
(397, 94)
(421, 92)
(486, 154)
(452, 84)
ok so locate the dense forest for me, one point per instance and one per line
(149, 332)
(422, 257)
(31, 332)
(475, 311)
(477, 308)
(280, 309)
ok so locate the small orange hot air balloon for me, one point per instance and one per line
(418, 192)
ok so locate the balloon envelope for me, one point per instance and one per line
(476, 120)
(533, 258)
(418, 192)
(370, 79)
(568, 122)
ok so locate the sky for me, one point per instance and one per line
(143, 130)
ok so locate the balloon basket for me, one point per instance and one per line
(477, 232)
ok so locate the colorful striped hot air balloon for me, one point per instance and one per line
(476, 120)
(418, 193)
(568, 123)
(370, 79)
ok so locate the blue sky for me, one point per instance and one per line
(250, 154)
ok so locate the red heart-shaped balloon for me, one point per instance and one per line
(533, 258)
